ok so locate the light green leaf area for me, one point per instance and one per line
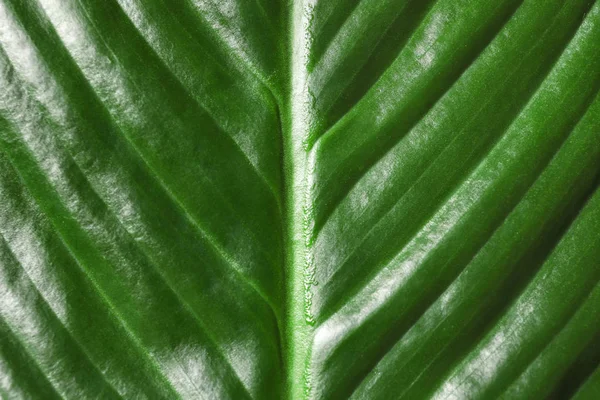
(301, 199)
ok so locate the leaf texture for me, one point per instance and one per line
(308, 199)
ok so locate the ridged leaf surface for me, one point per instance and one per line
(301, 199)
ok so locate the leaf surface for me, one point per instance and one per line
(263, 199)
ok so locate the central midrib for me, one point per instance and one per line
(298, 217)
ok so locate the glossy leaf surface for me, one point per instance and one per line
(308, 199)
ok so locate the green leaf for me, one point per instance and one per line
(307, 199)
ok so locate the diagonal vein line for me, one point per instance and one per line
(4, 243)
(473, 116)
(580, 299)
(140, 347)
(439, 352)
(586, 297)
(159, 274)
(235, 268)
(179, 82)
(150, 259)
(30, 355)
(213, 243)
(565, 137)
(182, 301)
(270, 92)
(555, 332)
(248, 65)
(455, 188)
(208, 237)
(176, 202)
(163, 185)
(132, 335)
(354, 6)
(371, 54)
(354, 181)
(328, 132)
